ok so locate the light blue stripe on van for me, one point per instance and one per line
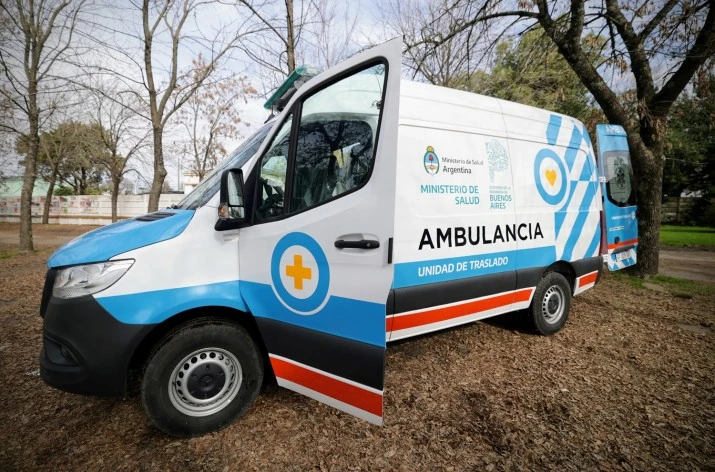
(108, 241)
(159, 305)
(595, 245)
(574, 146)
(577, 227)
(552, 130)
(345, 317)
(408, 274)
(560, 215)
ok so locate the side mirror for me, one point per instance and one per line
(231, 208)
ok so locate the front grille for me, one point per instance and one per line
(157, 215)
(47, 290)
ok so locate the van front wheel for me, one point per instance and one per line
(201, 377)
(550, 306)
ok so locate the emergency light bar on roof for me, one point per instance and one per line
(294, 81)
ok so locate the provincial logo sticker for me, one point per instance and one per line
(497, 157)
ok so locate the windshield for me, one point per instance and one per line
(211, 184)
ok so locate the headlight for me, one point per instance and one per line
(88, 279)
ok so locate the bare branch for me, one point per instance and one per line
(656, 20)
(639, 60)
(701, 51)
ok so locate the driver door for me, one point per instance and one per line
(314, 262)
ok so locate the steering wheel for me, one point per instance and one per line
(273, 204)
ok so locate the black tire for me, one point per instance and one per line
(551, 304)
(225, 354)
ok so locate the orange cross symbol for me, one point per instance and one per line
(298, 272)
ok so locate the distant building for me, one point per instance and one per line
(190, 179)
(12, 187)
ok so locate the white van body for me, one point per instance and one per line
(469, 203)
(485, 186)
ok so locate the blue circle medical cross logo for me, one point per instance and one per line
(550, 176)
(300, 273)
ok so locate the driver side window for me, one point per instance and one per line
(272, 178)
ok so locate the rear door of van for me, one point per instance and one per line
(620, 223)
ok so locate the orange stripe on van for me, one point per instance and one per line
(334, 388)
(622, 243)
(587, 279)
(455, 311)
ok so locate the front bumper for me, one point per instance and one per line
(85, 349)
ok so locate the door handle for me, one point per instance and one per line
(362, 244)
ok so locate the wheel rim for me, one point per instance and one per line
(552, 305)
(205, 382)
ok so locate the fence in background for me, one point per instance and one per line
(675, 209)
(83, 209)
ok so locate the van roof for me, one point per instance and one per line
(426, 104)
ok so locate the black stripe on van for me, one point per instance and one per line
(441, 293)
(353, 360)
(452, 291)
(585, 266)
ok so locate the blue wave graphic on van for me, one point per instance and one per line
(104, 243)
(583, 183)
(156, 306)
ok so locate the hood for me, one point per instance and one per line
(104, 243)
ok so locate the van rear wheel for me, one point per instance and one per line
(201, 377)
(550, 306)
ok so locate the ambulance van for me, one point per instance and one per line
(368, 209)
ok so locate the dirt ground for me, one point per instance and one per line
(44, 236)
(688, 263)
(627, 385)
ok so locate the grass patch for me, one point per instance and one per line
(681, 288)
(11, 254)
(680, 236)
(635, 282)
(7, 254)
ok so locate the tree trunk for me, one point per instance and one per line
(648, 190)
(290, 40)
(48, 199)
(115, 196)
(646, 149)
(159, 170)
(83, 181)
(28, 182)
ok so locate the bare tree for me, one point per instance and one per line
(169, 31)
(655, 46)
(210, 117)
(165, 100)
(276, 33)
(286, 33)
(329, 39)
(6, 141)
(456, 58)
(37, 37)
(123, 138)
